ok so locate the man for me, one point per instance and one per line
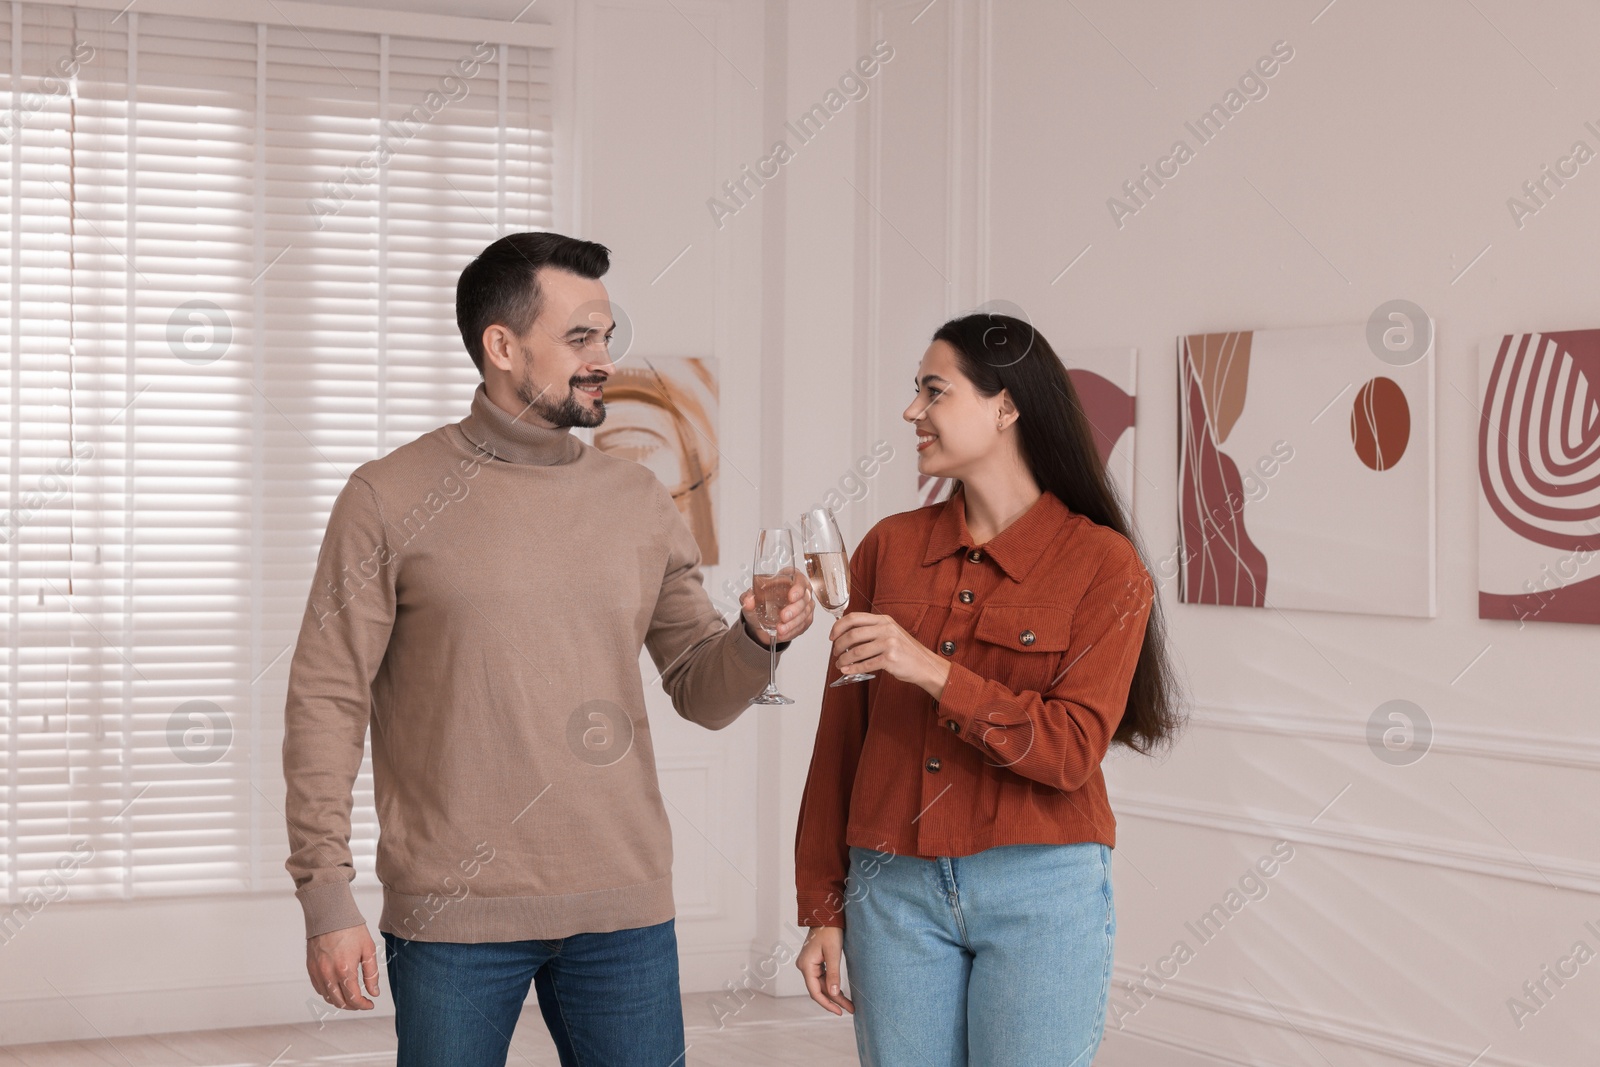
(481, 597)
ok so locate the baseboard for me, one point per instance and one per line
(1306, 1023)
(1114, 1052)
(52, 1016)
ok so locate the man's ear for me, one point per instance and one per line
(498, 345)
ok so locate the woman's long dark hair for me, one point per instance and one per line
(998, 352)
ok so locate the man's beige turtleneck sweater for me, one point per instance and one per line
(480, 599)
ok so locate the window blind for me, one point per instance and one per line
(227, 271)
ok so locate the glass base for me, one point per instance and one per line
(772, 697)
(849, 678)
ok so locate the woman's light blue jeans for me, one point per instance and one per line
(1002, 957)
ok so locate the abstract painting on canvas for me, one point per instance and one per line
(1306, 475)
(1539, 478)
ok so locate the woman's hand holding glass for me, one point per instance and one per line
(866, 642)
(828, 566)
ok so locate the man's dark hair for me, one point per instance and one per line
(501, 286)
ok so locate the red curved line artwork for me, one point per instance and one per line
(1221, 564)
(1108, 409)
(1539, 438)
(931, 490)
(1578, 602)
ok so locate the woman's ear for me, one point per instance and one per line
(1007, 411)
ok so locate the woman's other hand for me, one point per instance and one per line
(820, 961)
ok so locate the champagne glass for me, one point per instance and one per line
(828, 567)
(772, 577)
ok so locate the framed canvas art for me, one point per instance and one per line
(1539, 477)
(661, 411)
(1306, 474)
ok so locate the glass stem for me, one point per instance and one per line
(772, 674)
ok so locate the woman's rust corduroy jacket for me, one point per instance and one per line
(1042, 626)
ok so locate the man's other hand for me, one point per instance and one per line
(340, 963)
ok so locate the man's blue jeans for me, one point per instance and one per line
(609, 999)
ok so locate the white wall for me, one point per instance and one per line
(978, 166)
(1381, 161)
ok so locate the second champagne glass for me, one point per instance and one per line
(828, 567)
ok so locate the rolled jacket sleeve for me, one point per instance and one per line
(1058, 736)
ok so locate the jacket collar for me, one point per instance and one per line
(496, 433)
(1016, 548)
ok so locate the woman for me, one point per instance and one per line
(955, 837)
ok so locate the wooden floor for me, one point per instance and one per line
(790, 1030)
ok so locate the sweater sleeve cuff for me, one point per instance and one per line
(328, 907)
(754, 648)
(822, 907)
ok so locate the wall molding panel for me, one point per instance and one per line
(698, 778)
(1558, 872)
(1479, 742)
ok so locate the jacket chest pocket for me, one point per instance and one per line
(907, 613)
(1029, 641)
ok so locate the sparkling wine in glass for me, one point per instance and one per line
(772, 576)
(828, 567)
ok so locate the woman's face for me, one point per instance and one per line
(955, 426)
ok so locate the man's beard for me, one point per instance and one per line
(569, 411)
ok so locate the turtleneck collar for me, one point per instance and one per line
(496, 432)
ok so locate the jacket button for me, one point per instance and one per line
(955, 727)
(933, 765)
(948, 647)
(975, 555)
(966, 596)
(1027, 637)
